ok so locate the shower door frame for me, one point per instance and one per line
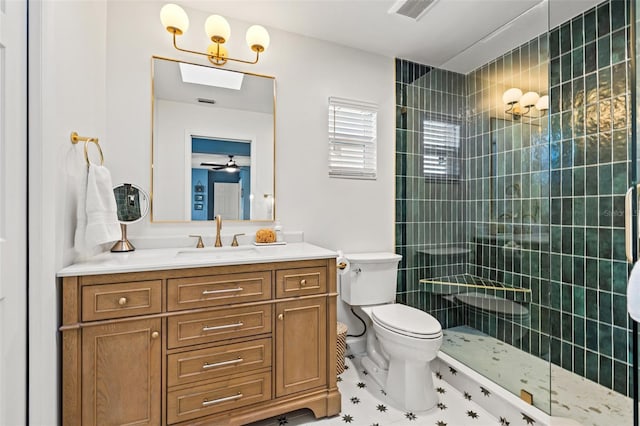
(632, 257)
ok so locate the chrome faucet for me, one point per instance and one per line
(218, 228)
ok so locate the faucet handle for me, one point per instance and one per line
(200, 243)
(234, 243)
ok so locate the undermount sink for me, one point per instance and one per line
(218, 252)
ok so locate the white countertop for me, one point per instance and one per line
(177, 258)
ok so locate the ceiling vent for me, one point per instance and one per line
(414, 9)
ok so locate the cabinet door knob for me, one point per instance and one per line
(303, 282)
(280, 317)
(155, 335)
(122, 301)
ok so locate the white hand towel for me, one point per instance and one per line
(633, 293)
(81, 211)
(102, 217)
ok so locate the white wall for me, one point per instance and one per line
(90, 72)
(336, 213)
(176, 122)
(13, 213)
(67, 92)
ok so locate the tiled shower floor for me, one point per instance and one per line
(571, 396)
(365, 404)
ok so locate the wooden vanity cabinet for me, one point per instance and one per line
(301, 350)
(225, 345)
(121, 373)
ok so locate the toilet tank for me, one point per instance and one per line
(371, 278)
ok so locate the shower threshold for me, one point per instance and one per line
(564, 394)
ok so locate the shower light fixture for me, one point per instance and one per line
(522, 105)
(176, 21)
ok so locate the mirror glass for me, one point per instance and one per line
(132, 203)
(213, 143)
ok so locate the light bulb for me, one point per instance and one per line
(217, 28)
(174, 18)
(529, 99)
(511, 96)
(543, 103)
(258, 38)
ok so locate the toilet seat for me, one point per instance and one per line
(407, 321)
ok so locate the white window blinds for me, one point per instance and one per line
(441, 142)
(352, 139)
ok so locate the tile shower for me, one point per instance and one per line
(530, 210)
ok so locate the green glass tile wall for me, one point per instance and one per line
(539, 202)
(508, 196)
(430, 212)
(589, 152)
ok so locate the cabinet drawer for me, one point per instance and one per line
(215, 290)
(300, 282)
(218, 396)
(121, 300)
(224, 324)
(224, 360)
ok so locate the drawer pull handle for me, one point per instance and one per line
(155, 335)
(303, 283)
(280, 317)
(222, 327)
(207, 403)
(206, 366)
(122, 301)
(228, 290)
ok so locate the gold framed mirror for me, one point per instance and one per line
(213, 143)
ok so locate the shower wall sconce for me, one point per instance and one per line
(521, 105)
(176, 21)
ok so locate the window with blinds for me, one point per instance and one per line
(441, 150)
(352, 139)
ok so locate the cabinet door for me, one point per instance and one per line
(121, 373)
(301, 342)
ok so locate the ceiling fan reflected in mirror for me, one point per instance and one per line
(230, 166)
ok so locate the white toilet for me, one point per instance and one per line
(401, 340)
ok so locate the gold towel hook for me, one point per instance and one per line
(75, 138)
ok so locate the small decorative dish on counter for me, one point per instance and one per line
(267, 237)
(275, 243)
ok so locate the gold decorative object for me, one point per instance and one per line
(265, 235)
(176, 21)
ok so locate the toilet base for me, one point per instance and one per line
(378, 374)
(410, 384)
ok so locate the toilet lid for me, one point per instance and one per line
(406, 320)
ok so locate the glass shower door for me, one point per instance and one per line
(632, 231)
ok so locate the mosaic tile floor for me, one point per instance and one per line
(365, 404)
(571, 395)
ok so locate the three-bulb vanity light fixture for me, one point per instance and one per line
(522, 105)
(176, 21)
